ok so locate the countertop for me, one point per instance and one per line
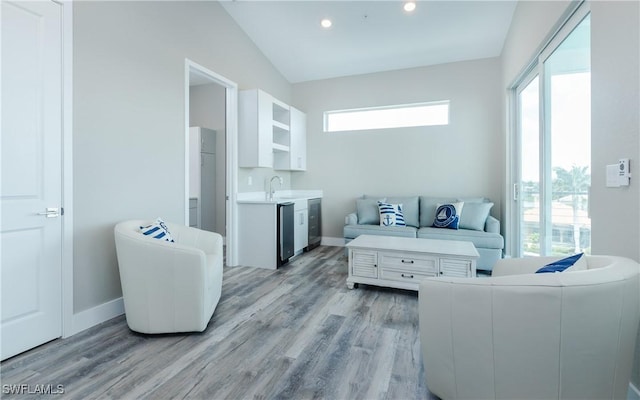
(280, 196)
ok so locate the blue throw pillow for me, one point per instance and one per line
(448, 215)
(391, 214)
(157, 230)
(368, 213)
(560, 265)
(474, 216)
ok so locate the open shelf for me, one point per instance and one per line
(280, 147)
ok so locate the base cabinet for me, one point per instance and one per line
(402, 270)
(301, 226)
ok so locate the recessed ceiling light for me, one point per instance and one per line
(409, 6)
(326, 23)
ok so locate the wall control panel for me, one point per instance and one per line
(619, 174)
(624, 175)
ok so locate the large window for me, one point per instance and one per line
(553, 172)
(398, 116)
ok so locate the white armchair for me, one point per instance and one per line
(517, 334)
(169, 287)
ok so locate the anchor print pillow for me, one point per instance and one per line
(448, 215)
(391, 214)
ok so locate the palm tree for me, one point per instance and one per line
(574, 182)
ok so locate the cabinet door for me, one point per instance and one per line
(364, 263)
(298, 143)
(301, 230)
(207, 141)
(454, 267)
(255, 129)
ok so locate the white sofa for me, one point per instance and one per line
(567, 335)
(169, 287)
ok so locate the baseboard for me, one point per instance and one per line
(332, 241)
(97, 315)
(634, 392)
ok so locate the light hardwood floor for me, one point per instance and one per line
(293, 333)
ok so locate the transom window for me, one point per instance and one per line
(396, 116)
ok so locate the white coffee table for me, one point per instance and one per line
(400, 262)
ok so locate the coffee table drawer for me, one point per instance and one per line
(409, 262)
(403, 276)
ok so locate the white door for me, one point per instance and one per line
(31, 175)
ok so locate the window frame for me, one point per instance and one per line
(573, 17)
(328, 114)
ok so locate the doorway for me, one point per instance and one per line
(210, 161)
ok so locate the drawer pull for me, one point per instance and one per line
(407, 262)
(407, 276)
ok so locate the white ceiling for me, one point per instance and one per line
(370, 36)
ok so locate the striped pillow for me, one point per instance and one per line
(391, 214)
(157, 230)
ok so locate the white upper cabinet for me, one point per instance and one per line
(255, 129)
(271, 134)
(296, 159)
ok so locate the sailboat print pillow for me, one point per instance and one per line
(448, 215)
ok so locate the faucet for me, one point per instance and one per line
(271, 191)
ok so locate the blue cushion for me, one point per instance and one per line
(448, 215)
(474, 215)
(560, 265)
(391, 214)
(157, 230)
(367, 210)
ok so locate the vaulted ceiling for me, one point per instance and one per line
(370, 36)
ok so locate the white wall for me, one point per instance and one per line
(532, 23)
(615, 131)
(615, 124)
(615, 127)
(260, 179)
(128, 140)
(454, 160)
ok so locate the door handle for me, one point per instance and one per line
(51, 212)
